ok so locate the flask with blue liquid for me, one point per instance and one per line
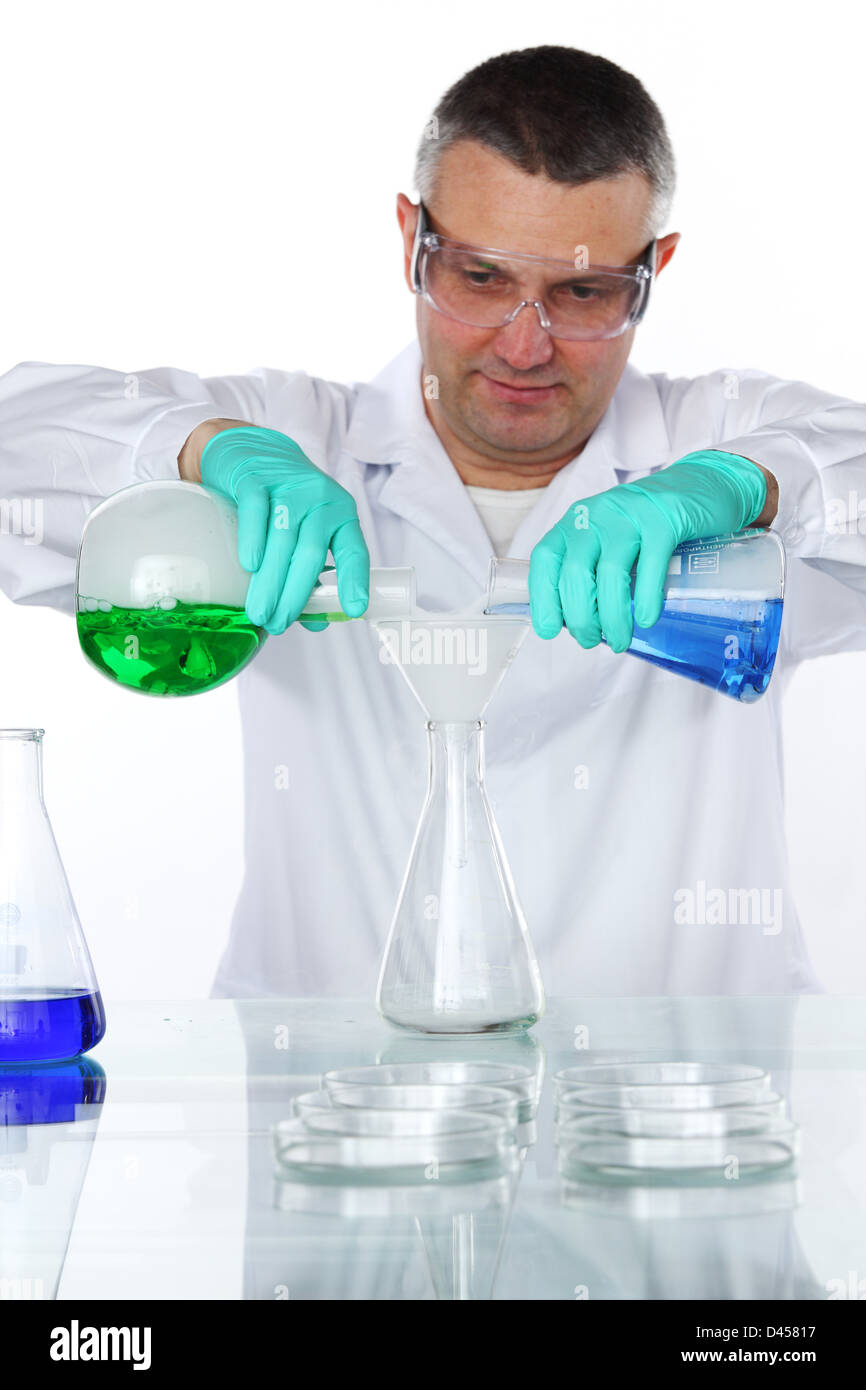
(722, 612)
(50, 1006)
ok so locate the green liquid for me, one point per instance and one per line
(169, 651)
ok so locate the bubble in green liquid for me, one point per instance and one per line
(169, 651)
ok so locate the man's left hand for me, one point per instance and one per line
(579, 573)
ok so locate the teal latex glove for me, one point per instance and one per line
(290, 514)
(579, 571)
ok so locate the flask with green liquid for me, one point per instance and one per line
(160, 591)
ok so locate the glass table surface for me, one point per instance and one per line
(167, 1186)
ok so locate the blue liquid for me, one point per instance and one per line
(51, 1028)
(728, 644)
(50, 1093)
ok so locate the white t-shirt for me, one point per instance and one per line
(502, 512)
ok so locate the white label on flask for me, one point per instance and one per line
(707, 563)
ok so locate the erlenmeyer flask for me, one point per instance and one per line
(50, 1006)
(459, 959)
(722, 611)
(160, 591)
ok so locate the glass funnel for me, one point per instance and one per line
(722, 612)
(160, 591)
(459, 959)
(50, 1006)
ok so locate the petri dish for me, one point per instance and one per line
(518, 1080)
(460, 1146)
(739, 1076)
(677, 1124)
(351, 1119)
(357, 1201)
(778, 1191)
(485, 1099)
(667, 1098)
(726, 1159)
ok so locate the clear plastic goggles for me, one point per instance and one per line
(487, 288)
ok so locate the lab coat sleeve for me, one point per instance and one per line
(72, 435)
(814, 444)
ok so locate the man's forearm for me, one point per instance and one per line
(771, 505)
(189, 458)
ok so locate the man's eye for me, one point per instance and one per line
(481, 279)
(583, 292)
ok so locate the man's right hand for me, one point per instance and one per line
(290, 514)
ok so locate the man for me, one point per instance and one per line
(628, 798)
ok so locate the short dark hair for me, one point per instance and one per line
(571, 115)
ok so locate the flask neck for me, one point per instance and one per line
(392, 595)
(20, 765)
(454, 745)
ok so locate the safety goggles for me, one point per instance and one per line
(486, 288)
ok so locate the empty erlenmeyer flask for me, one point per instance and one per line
(160, 591)
(50, 1006)
(459, 958)
(722, 611)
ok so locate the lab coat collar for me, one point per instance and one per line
(390, 426)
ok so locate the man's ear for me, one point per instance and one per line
(407, 216)
(665, 248)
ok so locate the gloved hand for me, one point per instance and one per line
(579, 572)
(290, 514)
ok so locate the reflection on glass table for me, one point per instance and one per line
(183, 1197)
(49, 1117)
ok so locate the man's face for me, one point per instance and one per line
(515, 394)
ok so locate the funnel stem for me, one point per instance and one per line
(454, 748)
(462, 750)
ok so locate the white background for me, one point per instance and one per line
(211, 186)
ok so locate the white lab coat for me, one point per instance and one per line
(683, 786)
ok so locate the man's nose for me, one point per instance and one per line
(523, 343)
